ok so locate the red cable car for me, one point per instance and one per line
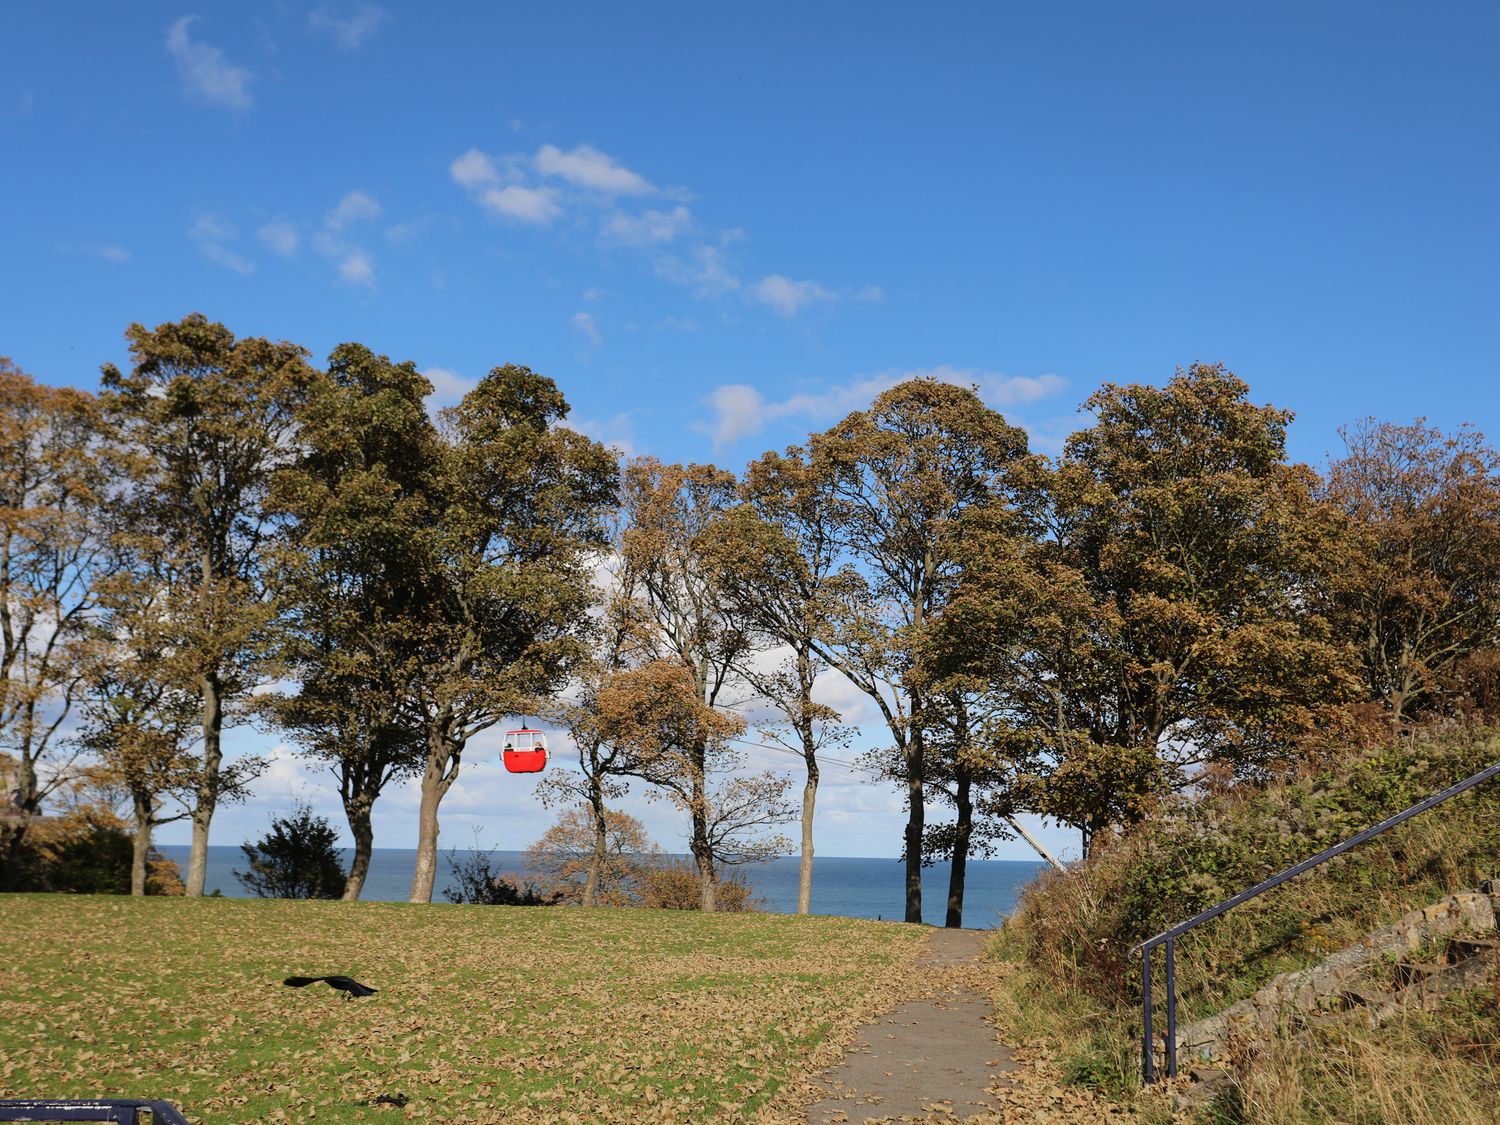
(525, 751)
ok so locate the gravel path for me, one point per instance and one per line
(937, 1055)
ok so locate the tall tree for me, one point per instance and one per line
(774, 556)
(523, 506)
(1415, 586)
(54, 477)
(1169, 614)
(681, 621)
(140, 720)
(901, 475)
(208, 421)
(356, 557)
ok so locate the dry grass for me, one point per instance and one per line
(1426, 1068)
(484, 1015)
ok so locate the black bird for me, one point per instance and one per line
(347, 985)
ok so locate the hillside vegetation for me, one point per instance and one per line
(484, 1014)
(1072, 981)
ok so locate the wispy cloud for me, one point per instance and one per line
(583, 322)
(648, 228)
(358, 269)
(355, 207)
(350, 31)
(205, 71)
(529, 205)
(741, 411)
(109, 251)
(213, 233)
(586, 185)
(617, 432)
(280, 237)
(587, 167)
(335, 241)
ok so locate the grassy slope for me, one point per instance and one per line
(1069, 985)
(485, 1014)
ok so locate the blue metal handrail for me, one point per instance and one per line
(1169, 937)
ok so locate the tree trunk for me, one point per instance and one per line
(359, 808)
(804, 876)
(964, 829)
(208, 783)
(438, 775)
(915, 818)
(141, 843)
(601, 842)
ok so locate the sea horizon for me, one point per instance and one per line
(844, 886)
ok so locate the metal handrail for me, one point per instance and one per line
(1169, 937)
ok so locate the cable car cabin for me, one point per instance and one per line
(525, 751)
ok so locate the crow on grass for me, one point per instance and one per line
(347, 985)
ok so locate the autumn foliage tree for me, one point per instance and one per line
(206, 421)
(1415, 584)
(900, 477)
(358, 573)
(54, 487)
(521, 506)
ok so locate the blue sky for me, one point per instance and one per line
(720, 227)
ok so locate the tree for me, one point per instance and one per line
(298, 858)
(900, 477)
(523, 503)
(680, 627)
(208, 420)
(1166, 620)
(356, 560)
(773, 556)
(566, 866)
(139, 721)
(54, 476)
(1415, 586)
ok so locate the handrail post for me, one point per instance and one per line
(1171, 1009)
(1148, 1068)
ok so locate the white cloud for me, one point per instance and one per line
(584, 323)
(280, 237)
(788, 297)
(211, 233)
(474, 169)
(447, 386)
(529, 205)
(110, 252)
(205, 71)
(618, 432)
(353, 208)
(741, 411)
(587, 167)
(593, 294)
(348, 32)
(675, 324)
(648, 227)
(705, 269)
(358, 269)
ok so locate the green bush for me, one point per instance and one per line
(296, 859)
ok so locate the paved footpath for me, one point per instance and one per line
(937, 1055)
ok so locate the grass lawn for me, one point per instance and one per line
(485, 1014)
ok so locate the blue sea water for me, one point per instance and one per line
(851, 887)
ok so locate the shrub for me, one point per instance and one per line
(673, 885)
(296, 859)
(480, 885)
